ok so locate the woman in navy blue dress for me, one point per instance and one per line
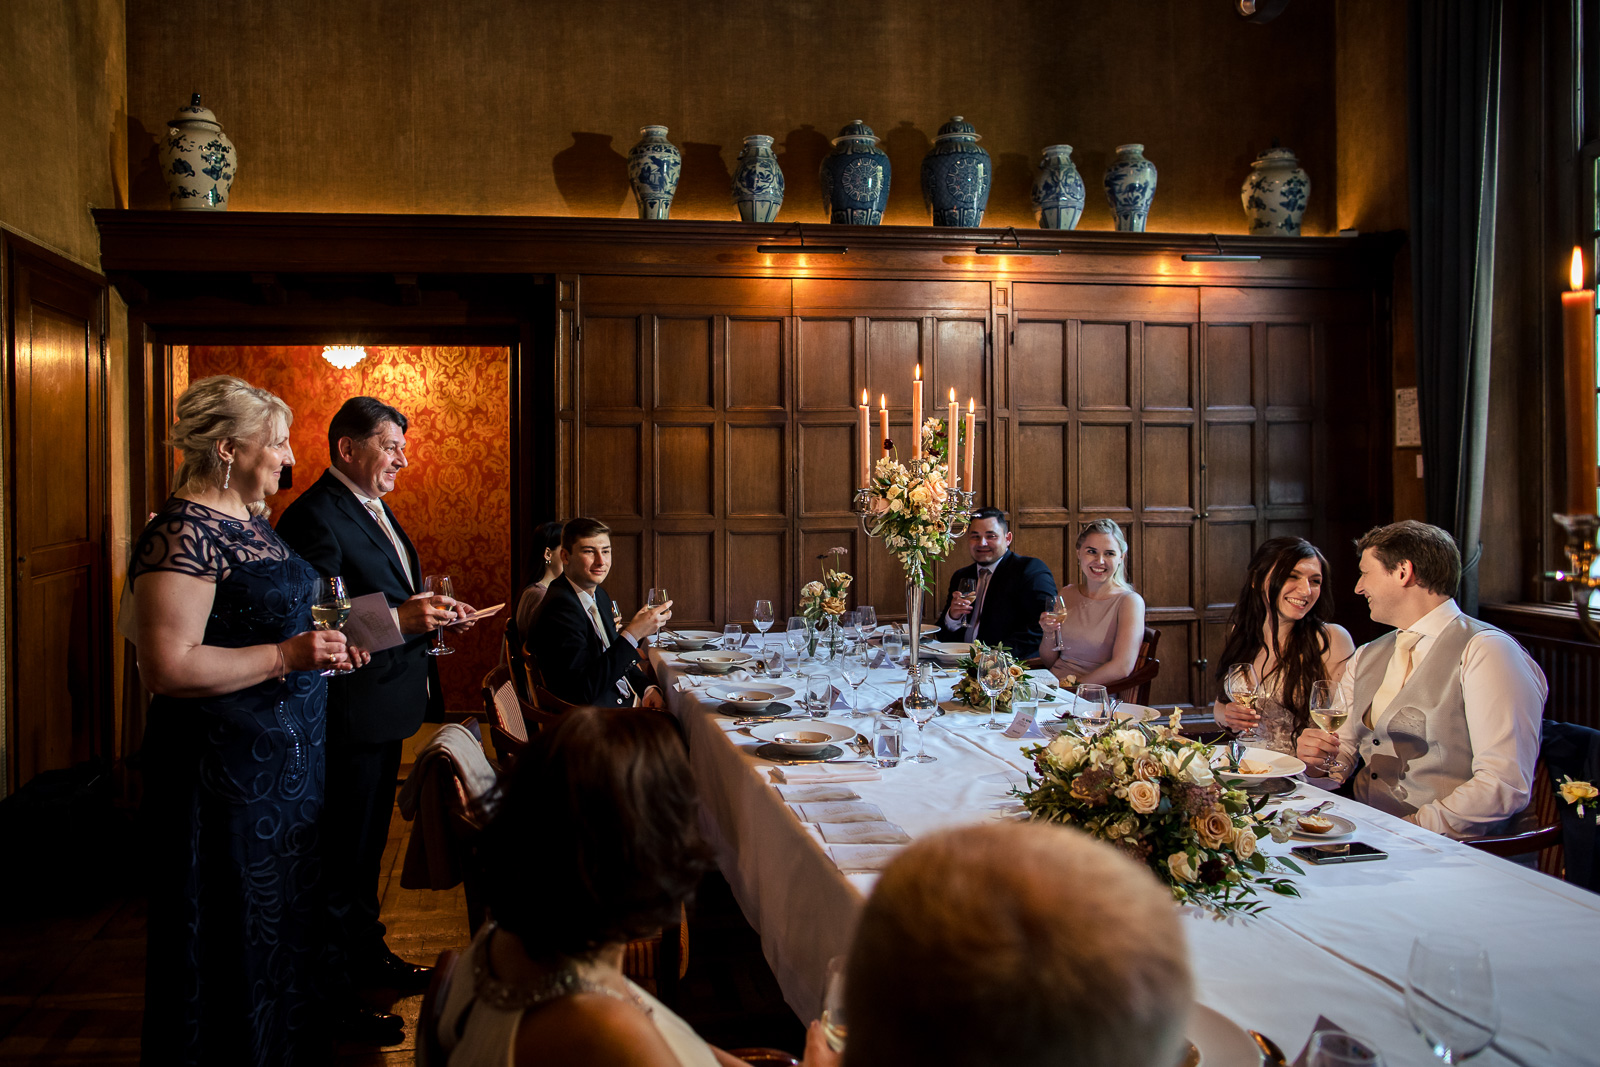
(233, 754)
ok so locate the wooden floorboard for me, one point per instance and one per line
(72, 973)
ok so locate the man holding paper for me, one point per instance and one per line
(341, 526)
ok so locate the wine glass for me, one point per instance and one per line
(919, 679)
(850, 623)
(330, 607)
(833, 1024)
(869, 619)
(655, 598)
(439, 585)
(1450, 996)
(1335, 1048)
(1094, 700)
(1328, 716)
(992, 678)
(1242, 684)
(967, 587)
(763, 618)
(796, 635)
(1059, 612)
(855, 672)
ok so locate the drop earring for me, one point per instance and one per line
(227, 474)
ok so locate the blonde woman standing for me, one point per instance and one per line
(1098, 640)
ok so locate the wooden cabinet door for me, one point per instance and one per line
(59, 651)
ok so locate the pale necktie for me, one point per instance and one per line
(977, 603)
(599, 626)
(1395, 677)
(394, 539)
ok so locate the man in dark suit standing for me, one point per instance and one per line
(574, 639)
(341, 526)
(1011, 591)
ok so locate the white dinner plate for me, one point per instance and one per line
(1136, 713)
(693, 640)
(717, 661)
(948, 653)
(802, 736)
(1342, 828)
(749, 693)
(1221, 1041)
(1282, 764)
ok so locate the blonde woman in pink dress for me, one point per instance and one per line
(1098, 641)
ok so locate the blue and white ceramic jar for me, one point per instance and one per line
(197, 160)
(654, 165)
(956, 175)
(855, 177)
(758, 181)
(1058, 190)
(1130, 186)
(1276, 193)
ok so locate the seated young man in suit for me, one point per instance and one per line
(573, 638)
(1011, 591)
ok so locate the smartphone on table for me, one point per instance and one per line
(1342, 852)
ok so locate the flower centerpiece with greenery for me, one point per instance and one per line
(1150, 792)
(1015, 681)
(906, 506)
(821, 603)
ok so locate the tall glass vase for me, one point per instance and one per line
(919, 693)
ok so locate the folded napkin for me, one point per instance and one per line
(811, 794)
(687, 682)
(813, 773)
(861, 859)
(838, 811)
(863, 833)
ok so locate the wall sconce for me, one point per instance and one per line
(344, 356)
(1015, 248)
(801, 248)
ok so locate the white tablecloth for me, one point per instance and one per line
(1340, 950)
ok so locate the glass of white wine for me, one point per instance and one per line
(833, 1023)
(656, 597)
(439, 585)
(1328, 716)
(1059, 612)
(1242, 683)
(330, 607)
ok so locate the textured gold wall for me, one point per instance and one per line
(495, 106)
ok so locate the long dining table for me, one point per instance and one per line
(1337, 954)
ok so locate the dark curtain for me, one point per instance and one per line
(1454, 99)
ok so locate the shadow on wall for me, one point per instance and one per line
(591, 176)
(705, 188)
(801, 157)
(1011, 195)
(906, 144)
(146, 187)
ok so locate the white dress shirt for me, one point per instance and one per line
(388, 532)
(1504, 692)
(973, 612)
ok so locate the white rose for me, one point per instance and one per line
(1144, 797)
(1244, 842)
(1182, 868)
(812, 589)
(1131, 742)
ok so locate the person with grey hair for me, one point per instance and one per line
(233, 754)
(1445, 710)
(1012, 943)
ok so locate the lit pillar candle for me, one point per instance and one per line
(952, 432)
(1577, 318)
(916, 414)
(972, 444)
(883, 426)
(866, 441)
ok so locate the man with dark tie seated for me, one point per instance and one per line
(1007, 593)
(1444, 710)
(581, 655)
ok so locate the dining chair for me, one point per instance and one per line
(516, 661)
(1544, 836)
(1566, 842)
(511, 720)
(1135, 688)
(430, 1050)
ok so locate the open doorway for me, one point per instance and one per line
(454, 499)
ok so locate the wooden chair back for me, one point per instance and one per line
(511, 721)
(516, 661)
(1135, 688)
(1545, 835)
(430, 1050)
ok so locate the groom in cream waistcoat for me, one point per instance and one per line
(1445, 710)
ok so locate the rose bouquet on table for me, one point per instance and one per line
(1150, 792)
(906, 508)
(821, 599)
(1016, 685)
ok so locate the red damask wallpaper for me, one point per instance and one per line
(454, 499)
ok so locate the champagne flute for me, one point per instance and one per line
(992, 678)
(919, 678)
(1059, 612)
(439, 585)
(833, 1022)
(1450, 996)
(1328, 716)
(1335, 1048)
(330, 607)
(1242, 683)
(763, 618)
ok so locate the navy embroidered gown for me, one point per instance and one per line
(233, 794)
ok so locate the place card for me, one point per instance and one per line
(839, 811)
(863, 833)
(1024, 723)
(863, 859)
(822, 772)
(811, 794)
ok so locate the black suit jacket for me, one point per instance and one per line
(576, 666)
(391, 697)
(1020, 590)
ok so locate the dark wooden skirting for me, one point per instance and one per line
(1570, 663)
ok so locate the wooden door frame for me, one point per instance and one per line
(38, 259)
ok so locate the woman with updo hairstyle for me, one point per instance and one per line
(1280, 623)
(233, 753)
(595, 842)
(546, 557)
(1097, 638)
